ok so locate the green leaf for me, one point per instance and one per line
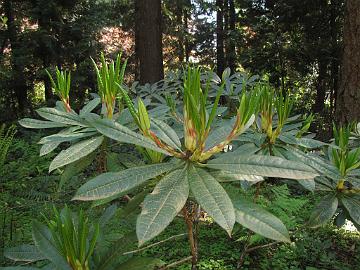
(115, 252)
(262, 166)
(76, 152)
(19, 268)
(120, 133)
(42, 239)
(133, 204)
(219, 134)
(54, 115)
(91, 105)
(259, 220)
(309, 143)
(110, 184)
(312, 160)
(65, 137)
(223, 176)
(212, 197)
(34, 123)
(162, 205)
(247, 149)
(324, 211)
(140, 263)
(75, 168)
(352, 205)
(308, 184)
(48, 148)
(166, 133)
(24, 253)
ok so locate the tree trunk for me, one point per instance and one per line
(231, 51)
(180, 29)
(45, 56)
(18, 79)
(220, 57)
(148, 39)
(348, 98)
(186, 29)
(321, 87)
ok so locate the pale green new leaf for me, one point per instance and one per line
(324, 211)
(352, 205)
(263, 166)
(41, 236)
(24, 253)
(162, 205)
(260, 221)
(38, 124)
(110, 184)
(212, 197)
(76, 152)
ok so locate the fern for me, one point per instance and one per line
(285, 206)
(6, 138)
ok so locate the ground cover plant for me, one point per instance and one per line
(182, 162)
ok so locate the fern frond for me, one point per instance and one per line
(6, 137)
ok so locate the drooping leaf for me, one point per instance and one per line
(41, 236)
(162, 205)
(48, 148)
(308, 184)
(38, 124)
(259, 220)
(212, 197)
(76, 152)
(24, 253)
(352, 205)
(263, 166)
(110, 184)
(324, 211)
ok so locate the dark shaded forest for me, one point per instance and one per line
(303, 47)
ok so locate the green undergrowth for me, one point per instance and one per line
(27, 190)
